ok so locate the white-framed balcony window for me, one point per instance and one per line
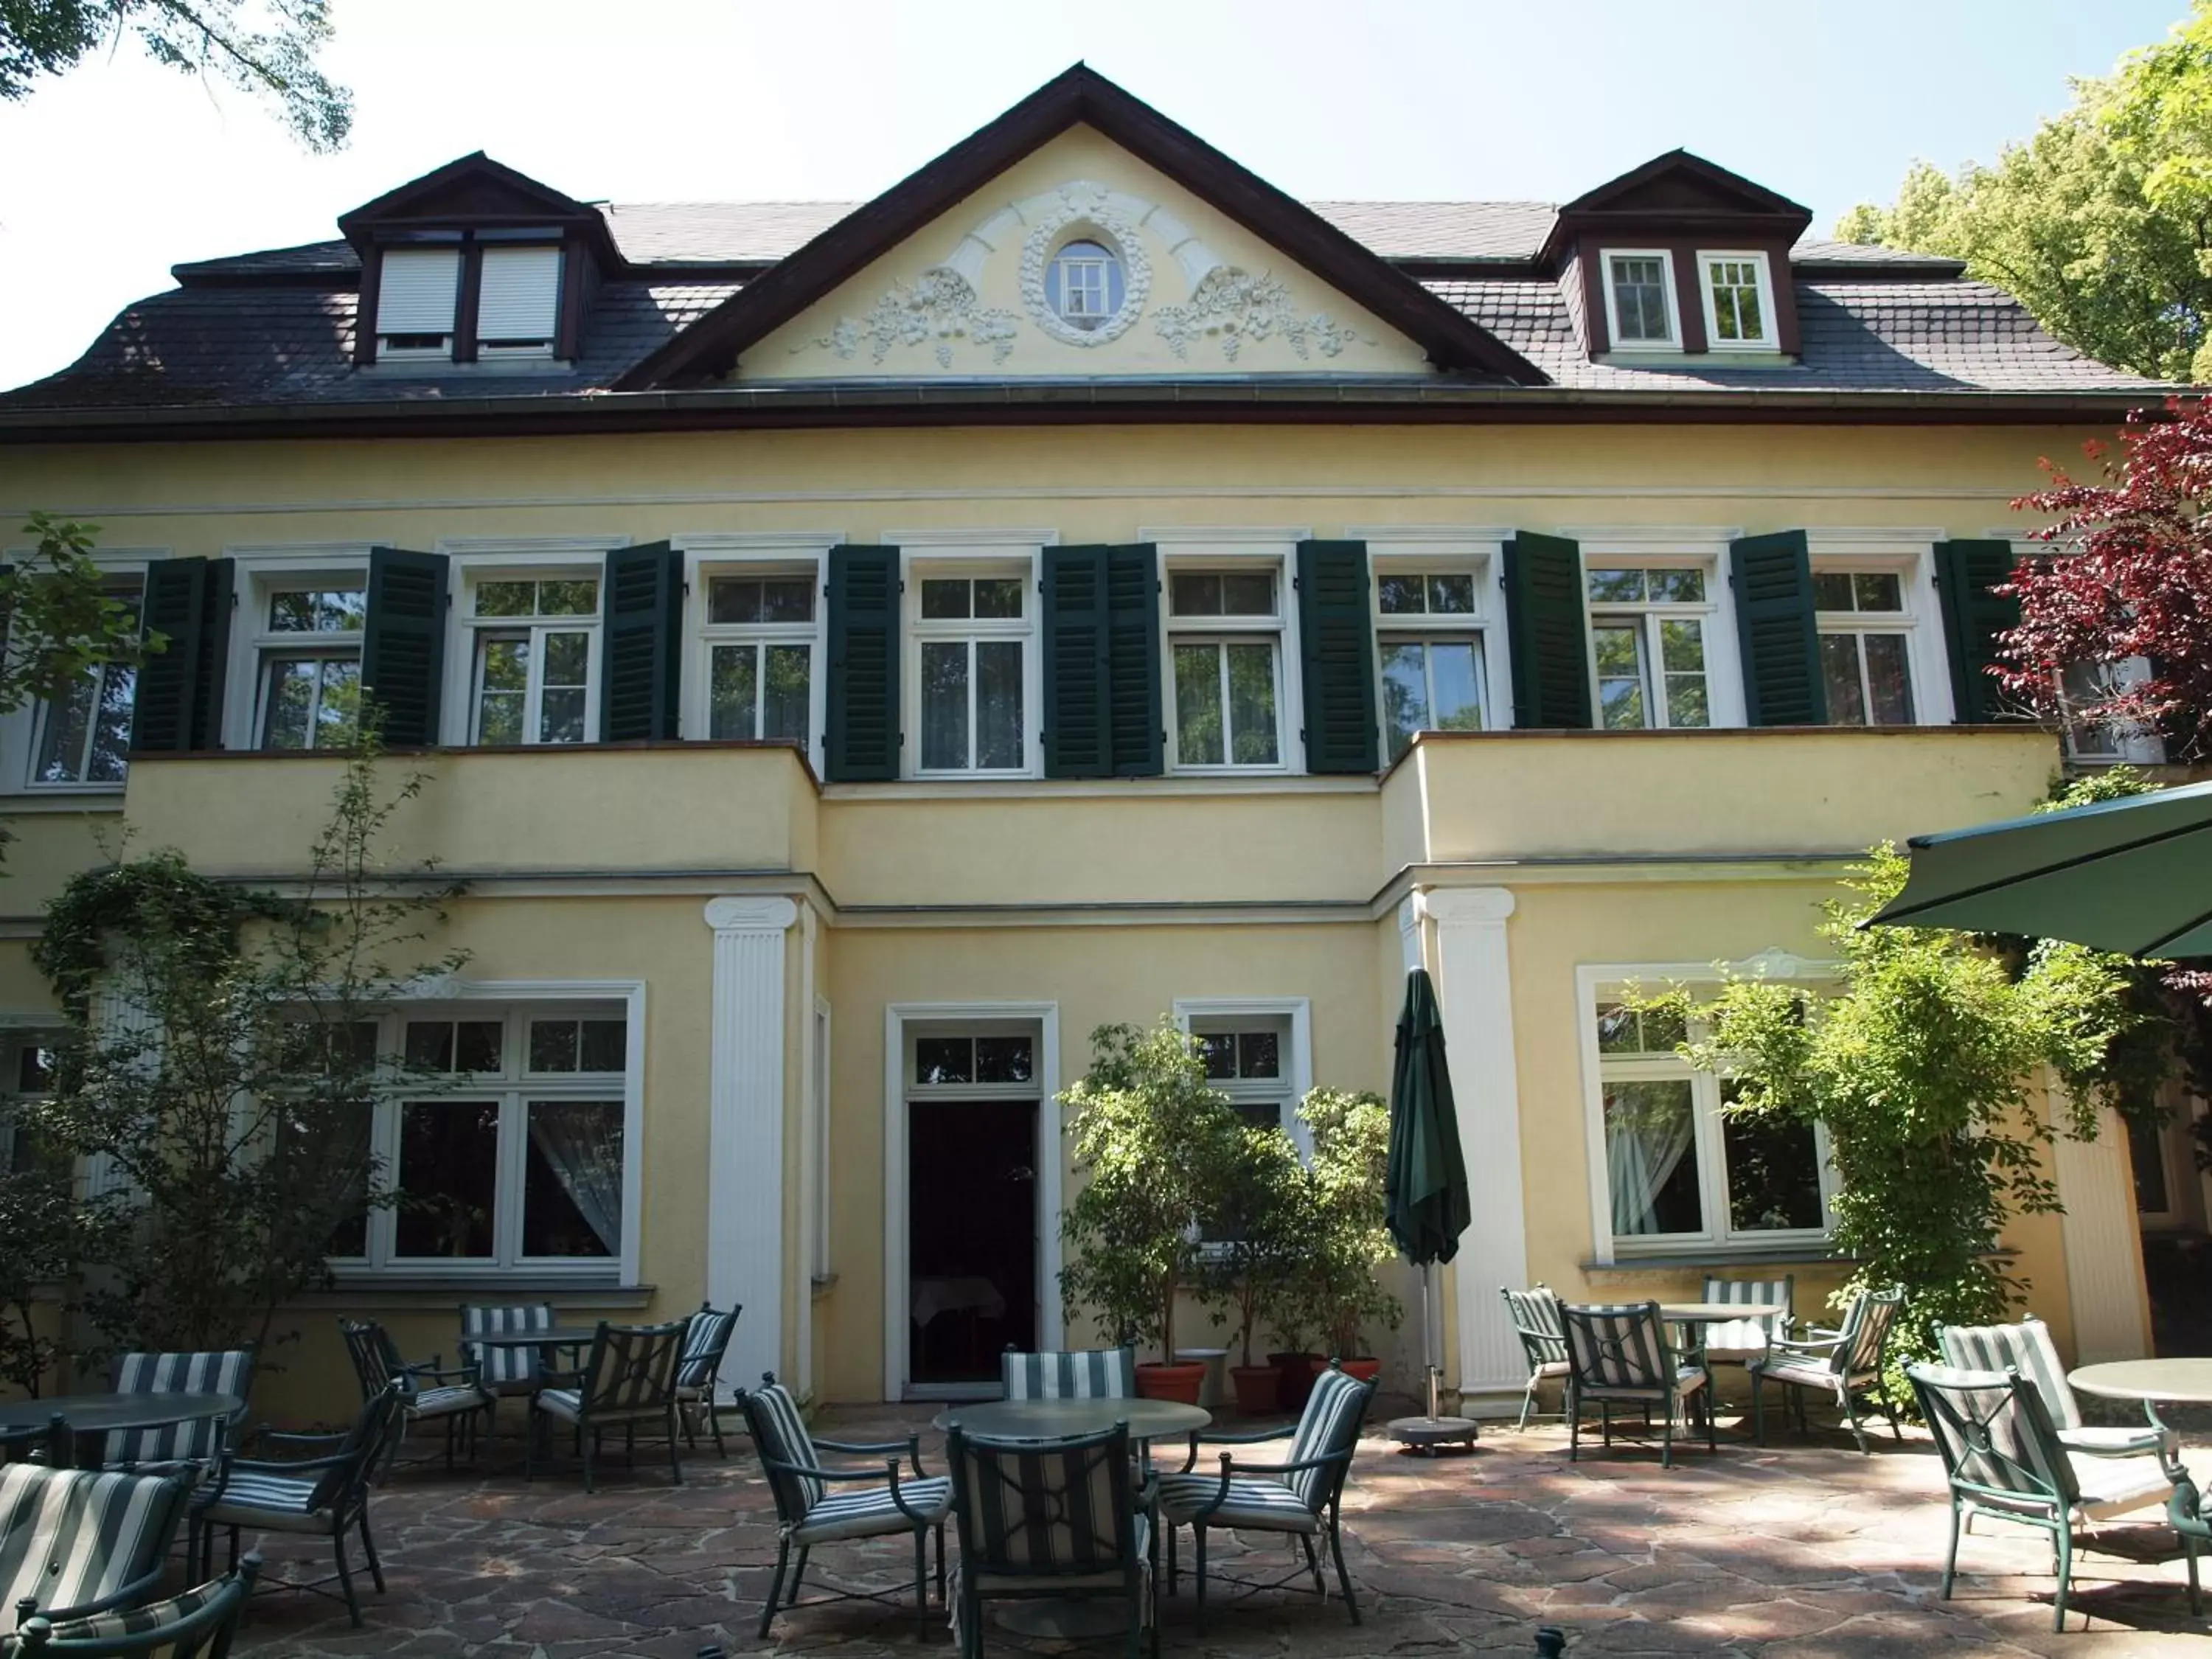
(1651, 626)
(1225, 681)
(532, 654)
(2096, 740)
(1865, 625)
(1738, 295)
(760, 642)
(1640, 307)
(1259, 1052)
(972, 681)
(1430, 649)
(1672, 1170)
(82, 738)
(305, 643)
(510, 1135)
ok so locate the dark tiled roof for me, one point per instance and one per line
(311, 258)
(1879, 335)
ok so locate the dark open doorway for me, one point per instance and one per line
(972, 1248)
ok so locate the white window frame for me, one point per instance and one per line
(20, 728)
(17, 1033)
(956, 562)
(521, 1002)
(1458, 556)
(708, 555)
(1910, 554)
(1666, 257)
(1763, 277)
(262, 573)
(1298, 1049)
(2130, 742)
(477, 559)
(1596, 982)
(1234, 551)
(443, 351)
(544, 349)
(1702, 550)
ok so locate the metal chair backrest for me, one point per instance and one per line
(1043, 1509)
(1086, 1374)
(503, 1366)
(780, 1436)
(72, 1537)
(704, 1343)
(1535, 1316)
(1618, 1347)
(632, 1367)
(2026, 1348)
(1995, 1438)
(226, 1372)
(1866, 1330)
(376, 1361)
(341, 1485)
(1328, 1425)
(1737, 1333)
(200, 1623)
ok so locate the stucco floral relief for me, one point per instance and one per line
(940, 309)
(1233, 306)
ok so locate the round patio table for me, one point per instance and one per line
(92, 1416)
(1072, 1620)
(1715, 1313)
(553, 1336)
(2183, 1382)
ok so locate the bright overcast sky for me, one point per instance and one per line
(117, 171)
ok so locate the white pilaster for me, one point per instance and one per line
(744, 1157)
(1474, 985)
(2103, 1247)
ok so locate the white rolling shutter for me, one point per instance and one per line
(519, 297)
(418, 292)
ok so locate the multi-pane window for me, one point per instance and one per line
(1247, 1058)
(1086, 284)
(1680, 1168)
(1866, 641)
(1429, 648)
(966, 1059)
(1648, 643)
(1736, 311)
(27, 1074)
(83, 736)
(536, 646)
(503, 1136)
(1226, 666)
(2085, 687)
(308, 649)
(971, 641)
(760, 635)
(1637, 291)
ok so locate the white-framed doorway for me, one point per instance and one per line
(898, 1018)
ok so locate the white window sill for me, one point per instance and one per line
(1802, 1252)
(1672, 357)
(67, 798)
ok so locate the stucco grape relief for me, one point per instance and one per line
(1233, 306)
(940, 309)
(1081, 207)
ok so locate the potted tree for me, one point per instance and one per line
(1348, 1208)
(1155, 1148)
(1251, 1256)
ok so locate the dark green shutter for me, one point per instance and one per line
(1547, 633)
(863, 740)
(1336, 644)
(1972, 618)
(641, 683)
(402, 649)
(1780, 648)
(1102, 662)
(178, 705)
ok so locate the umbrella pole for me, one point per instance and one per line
(1429, 1333)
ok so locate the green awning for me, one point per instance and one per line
(2133, 876)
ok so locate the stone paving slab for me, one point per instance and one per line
(1803, 1551)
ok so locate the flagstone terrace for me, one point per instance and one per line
(1802, 1551)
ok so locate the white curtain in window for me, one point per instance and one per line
(1642, 1149)
(581, 1142)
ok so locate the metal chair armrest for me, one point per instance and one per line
(819, 1473)
(1811, 1349)
(1230, 1468)
(911, 1446)
(138, 1590)
(265, 1435)
(283, 1466)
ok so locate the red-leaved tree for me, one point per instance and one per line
(2134, 580)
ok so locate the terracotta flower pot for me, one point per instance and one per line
(1258, 1389)
(1359, 1371)
(1296, 1373)
(1178, 1382)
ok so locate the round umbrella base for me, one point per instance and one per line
(1426, 1434)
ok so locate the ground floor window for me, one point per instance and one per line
(1680, 1169)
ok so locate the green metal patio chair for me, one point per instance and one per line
(197, 1624)
(456, 1400)
(2027, 1348)
(1082, 1374)
(629, 1381)
(1617, 1354)
(1842, 1363)
(1535, 1316)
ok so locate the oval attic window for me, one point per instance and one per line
(1086, 286)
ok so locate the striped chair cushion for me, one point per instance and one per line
(1994, 1435)
(1619, 1351)
(1535, 1314)
(1805, 1372)
(1868, 1326)
(144, 1622)
(1330, 1423)
(2107, 1486)
(1113, 1577)
(70, 1537)
(1038, 1507)
(1747, 1336)
(782, 1433)
(2026, 1348)
(227, 1372)
(568, 1404)
(1260, 1501)
(705, 1341)
(1089, 1374)
(282, 1503)
(504, 1368)
(444, 1402)
(870, 1511)
(631, 1370)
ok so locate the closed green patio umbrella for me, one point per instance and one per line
(2133, 876)
(1429, 1207)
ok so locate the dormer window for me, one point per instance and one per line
(1086, 285)
(415, 301)
(518, 301)
(1640, 300)
(1738, 312)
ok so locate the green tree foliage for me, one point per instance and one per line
(1255, 1263)
(264, 47)
(2100, 222)
(1926, 1067)
(1345, 1219)
(62, 622)
(220, 1060)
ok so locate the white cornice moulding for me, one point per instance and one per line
(756, 541)
(1877, 539)
(979, 536)
(519, 547)
(1450, 905)
(299, 556)
(106, 558)
(1442, 536)
(1657, 537)
(1200, 537)
(730, 914)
